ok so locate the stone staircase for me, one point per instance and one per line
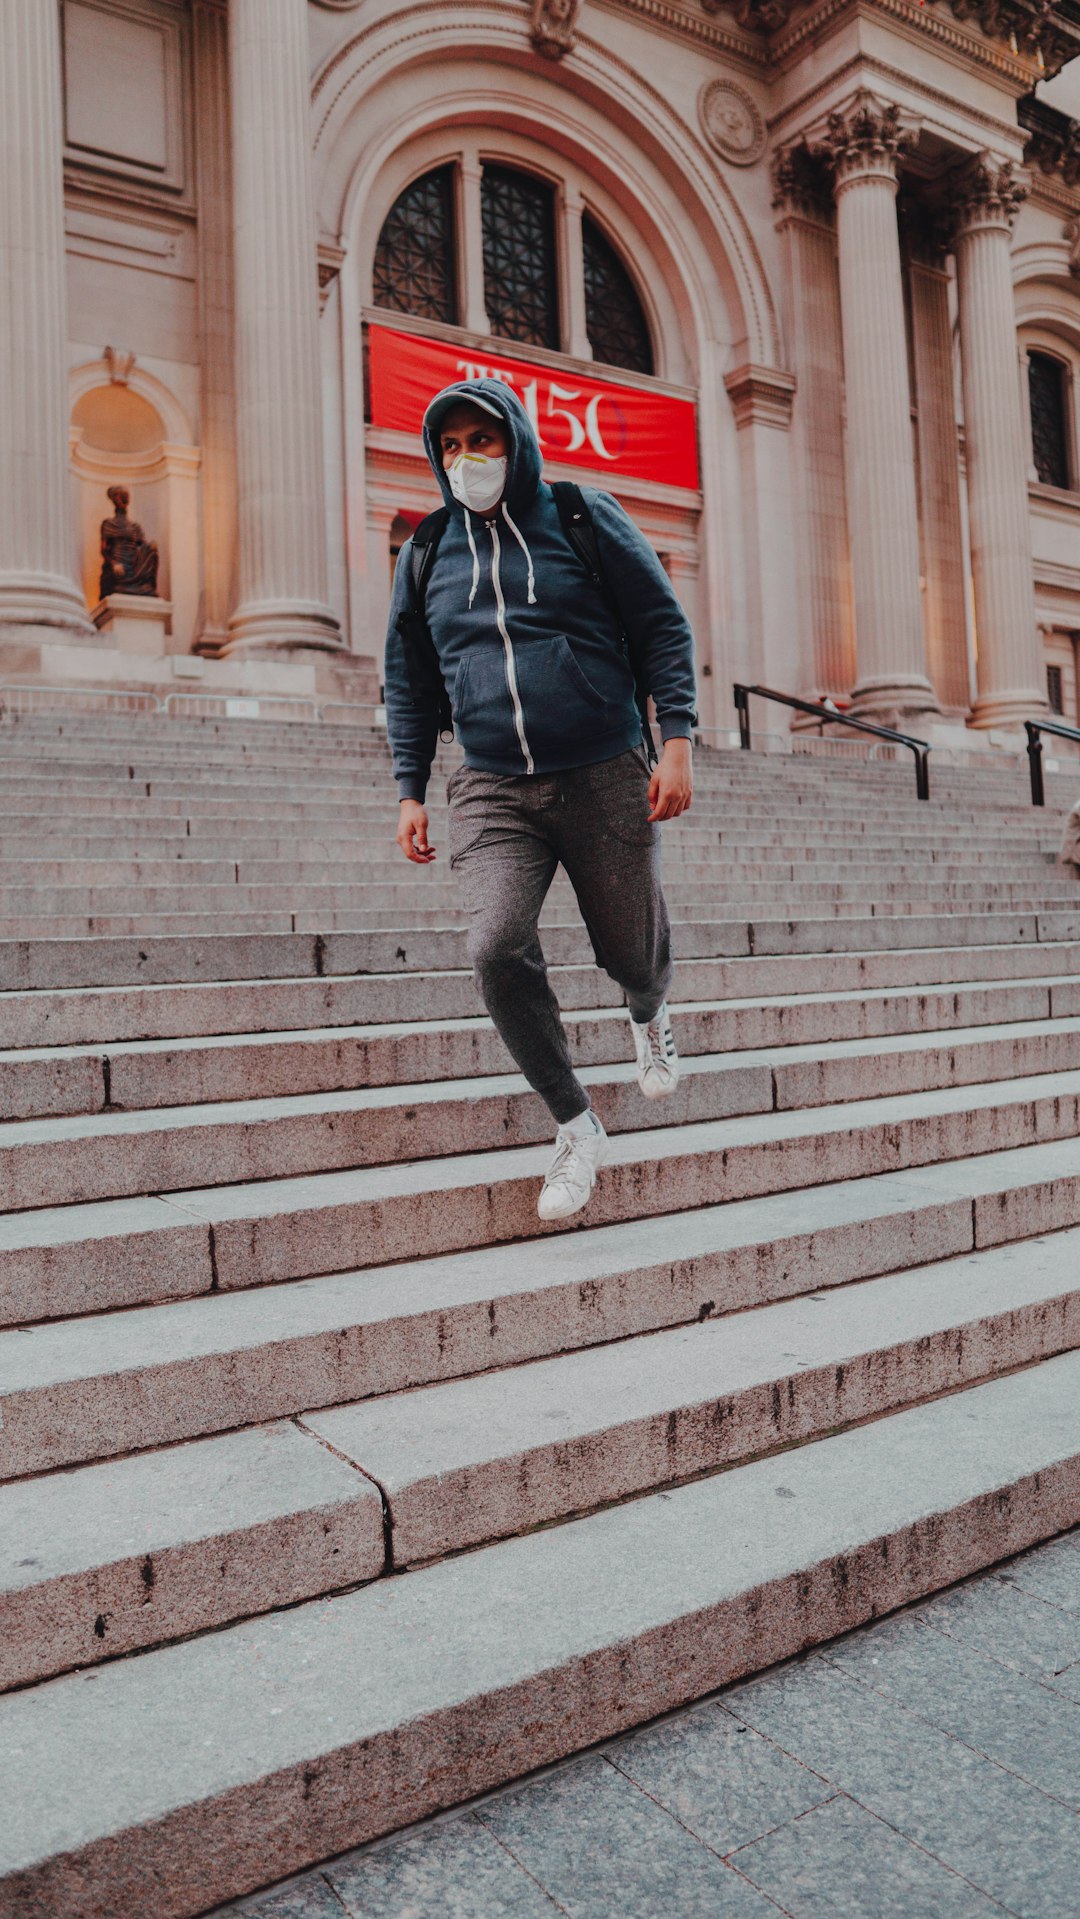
(334, 1492)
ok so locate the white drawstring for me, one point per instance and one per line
(528, 556)
(475, 556)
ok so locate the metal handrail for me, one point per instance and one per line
(1033, 728)
(826, 711)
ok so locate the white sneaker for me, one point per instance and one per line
(657, 1060)
(571, 1176)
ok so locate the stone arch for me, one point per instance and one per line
(633, 132)
(384, 100)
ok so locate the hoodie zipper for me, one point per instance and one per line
(511, 669)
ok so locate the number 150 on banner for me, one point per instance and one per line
(613, 430)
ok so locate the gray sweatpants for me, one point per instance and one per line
(507, 837)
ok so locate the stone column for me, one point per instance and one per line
(213, 177)
(39, 600)
(945, 598)
(281, 502)
(812, 324)
(470, 228)
(1009, 663)
(861, 142)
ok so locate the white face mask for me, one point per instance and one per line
(476, 481)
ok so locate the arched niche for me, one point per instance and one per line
(131, 431)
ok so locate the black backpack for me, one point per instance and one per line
(421, 657)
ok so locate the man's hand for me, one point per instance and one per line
(672, 785)
(412, 833)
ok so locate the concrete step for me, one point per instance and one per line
(152, 1548)
(739, 837)
(367, 900)
(80, 1258)
(85, 1156)
(146, 1375)
(122, 962)
(490, 1457)
(296, 1736)
(108, 1558)
(55, 1080)
(704, 867)
(79, 1016)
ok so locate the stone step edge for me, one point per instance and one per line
(508, 1658)
(468, 1461)
(119, 1123)
(313, 1488)
(205, 1011)
(167, 959)
(202, 1532)
(291, 1227)
(88, 1158)
(131, 1376)
(90, 1083)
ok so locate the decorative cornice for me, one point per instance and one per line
(1054, 140)
(1040, 29)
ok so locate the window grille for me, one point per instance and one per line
(415, 256)
(1055, 689)
(615, 321)
(520, 291)
(1047, 387)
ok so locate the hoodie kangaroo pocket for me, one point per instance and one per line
(483, 712)
(559, 702)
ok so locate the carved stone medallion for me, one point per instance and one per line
(731, 122)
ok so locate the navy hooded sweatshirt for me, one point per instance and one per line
(530, 650)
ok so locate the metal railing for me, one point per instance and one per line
(831, 715)
(1033, 729)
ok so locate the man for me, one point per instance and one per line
(534, 651)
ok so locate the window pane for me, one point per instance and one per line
(1049, 433)
(1055, 689)
(618, 332)
(414, 259)
(519, 257)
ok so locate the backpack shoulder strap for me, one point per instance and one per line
(577, 524)
(425, 545)
(421, 658)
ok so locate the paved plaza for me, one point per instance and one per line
(927, 1767)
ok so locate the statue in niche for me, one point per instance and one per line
(129, 561)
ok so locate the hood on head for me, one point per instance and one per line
(523, 453)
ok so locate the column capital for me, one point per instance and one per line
(986, 191)
(863, 138)
(802, 184)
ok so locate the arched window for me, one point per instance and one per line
(617, 328)
(414, 268)
(525, 237)
(1048, 388)
(520, 291)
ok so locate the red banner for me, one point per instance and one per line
(615, 431)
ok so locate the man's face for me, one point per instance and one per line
(468, 429)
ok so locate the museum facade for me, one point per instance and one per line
(798, 280)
